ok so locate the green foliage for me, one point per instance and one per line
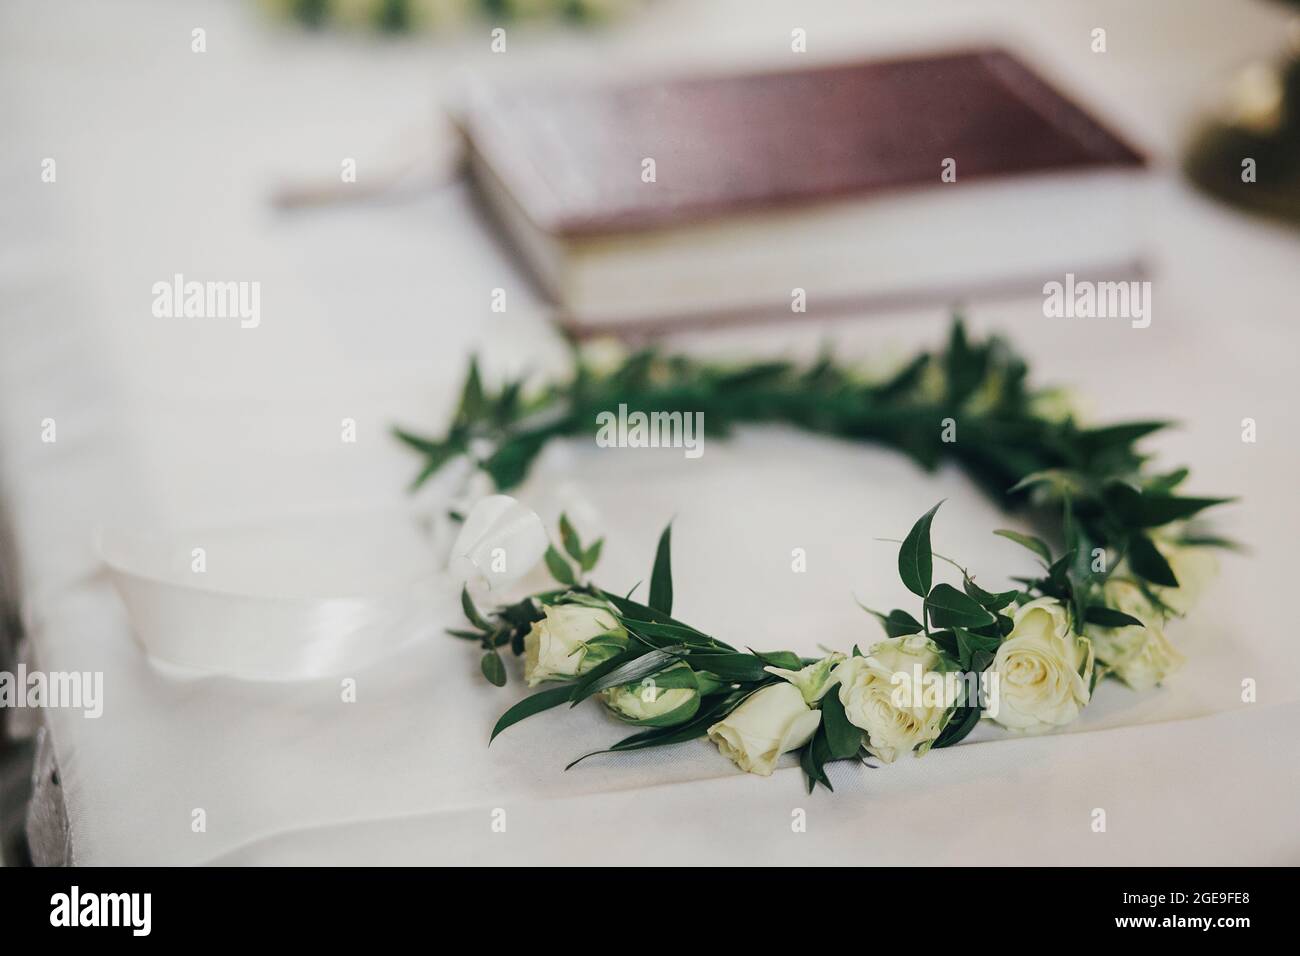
(661, 578)
(1085, 489)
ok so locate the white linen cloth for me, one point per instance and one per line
(369, 313)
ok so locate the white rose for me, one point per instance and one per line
(604, 356)
(872, 701)
(1194, 567)
(814, 680)
(569, 641)
(1141, 657)
(1043, 669)
(668, 698)
(770, 722)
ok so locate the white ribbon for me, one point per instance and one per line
(322, 595)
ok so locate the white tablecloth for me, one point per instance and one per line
(165, 158)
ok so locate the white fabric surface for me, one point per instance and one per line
(369, 312)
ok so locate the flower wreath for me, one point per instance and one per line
(1128, 557)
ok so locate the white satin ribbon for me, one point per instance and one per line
(308, 597)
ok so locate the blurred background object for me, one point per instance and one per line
(402, 16)
(1249, 152)
(16, 744)
(640, 204)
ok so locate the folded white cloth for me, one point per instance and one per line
(1170, 793)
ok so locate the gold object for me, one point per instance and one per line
(1249, 154)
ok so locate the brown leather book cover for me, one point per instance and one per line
(572, 158)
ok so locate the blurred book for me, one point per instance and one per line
(717, 197)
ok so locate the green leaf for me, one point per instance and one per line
(629, 672)
(1095, 440)
(1036, 545)
(677, 677)
(1109, 617)
(730, 665)
(578, 689)
(471, 612)
(1149, 563)
(813, 758)
(1163, 484)
(946, 641)
(786, 660)
(1061, 480)
(592, 555)
(647, 621)
(472, 404)
(897, 622)
(992, 601)
(1060, 568)
(494, 669)
(966, 365)
(558, 567)
(542, 700)
(960, 724)
(570, 539)
(508, 465)
(915, 560)
(661, 579)
(1197, 540)
(425, 446)
(843, 738)
(905, 378)
(1070, 526)
(950, 608)
(1148, 510)
(657, 634)
(970, 644)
